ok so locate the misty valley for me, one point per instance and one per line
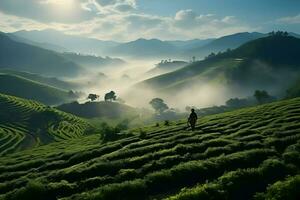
(125, 100)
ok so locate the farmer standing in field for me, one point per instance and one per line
(193, 119)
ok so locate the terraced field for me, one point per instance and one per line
(252, 153)
(25, 124)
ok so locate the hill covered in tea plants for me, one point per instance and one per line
(26, 124)
(19, 86)
(251, 153)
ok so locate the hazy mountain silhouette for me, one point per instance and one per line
(223, 43)
(93, 61)
(270, 61)
(145, 48)
(73, 43)
(44, 45)
(24, 57)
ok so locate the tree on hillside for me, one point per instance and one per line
(262, 96)
(211, 55)
(237, 103)
(279, 33)
(158, 105)
(93, 97)
(111, 96)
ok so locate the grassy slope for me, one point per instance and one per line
(294, 89)
(232, 155)
(204, 71)
(25, 88)
(25, 124)
(107, 109)
(24, 57)
(52, 81)
(273, 57)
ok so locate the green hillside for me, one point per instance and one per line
(221, 44)
(25, 88)
(51, 81)
(235, 155)
(278, 50)
(269, 62)
(25, 124)
(294, 90)
(24, 57)
(98, 109)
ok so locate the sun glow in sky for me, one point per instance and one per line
(125, 20)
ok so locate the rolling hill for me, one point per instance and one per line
(92, 62)
(270, 63)
(223, 43)
(25, 124)
(144, 48)
(22, 87)
(43, 45)
(294, 90)
(166, 66)
(102, 109)
(73, 43)
(51, 81)
(251, 153)
(20, 56)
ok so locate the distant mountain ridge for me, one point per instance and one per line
(144, 48)
(223, 43)
(268, 62)
(25, 57)
(73, 43)
(141, 48)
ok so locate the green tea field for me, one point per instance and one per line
(252, 153)
(25, 124)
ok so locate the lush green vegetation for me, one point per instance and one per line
(245, 154)
(24, 57)
(102, 109)
(269, 62)
(51, 81)
(25, 124)
(26, 88)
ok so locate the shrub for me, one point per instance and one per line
(142, 134)
(167, 123)
(33, 190)
(282, 190)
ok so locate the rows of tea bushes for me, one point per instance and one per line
(25, 124)
(252, 153)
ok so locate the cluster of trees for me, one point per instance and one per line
(165, 61)
(111, 96)
(259, 97)
(163, 112)
(279, 33)
(213, 55)
(263, 96)
(159, 105)
(112, 133)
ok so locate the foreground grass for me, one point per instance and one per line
(251, 153)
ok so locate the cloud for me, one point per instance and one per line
(66, 11)
(290, 20)
(119, 20)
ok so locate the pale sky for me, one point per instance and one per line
(124, 20)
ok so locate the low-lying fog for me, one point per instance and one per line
(122, 79)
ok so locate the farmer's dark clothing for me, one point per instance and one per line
(192, 120)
